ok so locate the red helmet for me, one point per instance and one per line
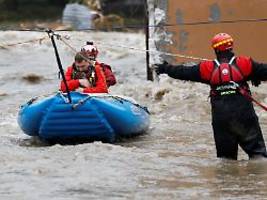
(222, 42)
(90, 49)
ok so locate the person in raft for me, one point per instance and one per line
(85, 75)
(234, 120)
(91, 50)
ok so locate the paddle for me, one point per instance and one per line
(51, 34)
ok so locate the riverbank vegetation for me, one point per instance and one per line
(19, 14)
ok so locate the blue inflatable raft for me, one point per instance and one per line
(96, 117)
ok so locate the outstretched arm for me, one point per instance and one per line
(182, 72)
(259, 71)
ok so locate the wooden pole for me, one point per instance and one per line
(51, 34)
(148, 69)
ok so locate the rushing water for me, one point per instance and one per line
(175, 160)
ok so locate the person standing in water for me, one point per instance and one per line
(234, 120)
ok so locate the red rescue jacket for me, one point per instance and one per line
(73, 84)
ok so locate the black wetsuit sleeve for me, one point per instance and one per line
(259, 71)
(182, 72)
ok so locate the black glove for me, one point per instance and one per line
(160, 68)
(255, 82)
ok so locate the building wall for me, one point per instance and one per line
(194, 40)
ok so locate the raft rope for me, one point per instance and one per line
(160, 52)
(40, 40)
(118, 98)
(65, 38)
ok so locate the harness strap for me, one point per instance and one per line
(231, 69)
(248, 96)
(217, 62)
(90, 75)
(232, 60)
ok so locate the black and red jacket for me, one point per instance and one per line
(234, 120)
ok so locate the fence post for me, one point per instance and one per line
(148, 69)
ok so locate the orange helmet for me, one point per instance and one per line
(90, 49)
(222, 42)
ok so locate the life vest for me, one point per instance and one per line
(229, 78)
(90, 74)
(220, 76)
(110, 78)
(224, 73)
(105, 66)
